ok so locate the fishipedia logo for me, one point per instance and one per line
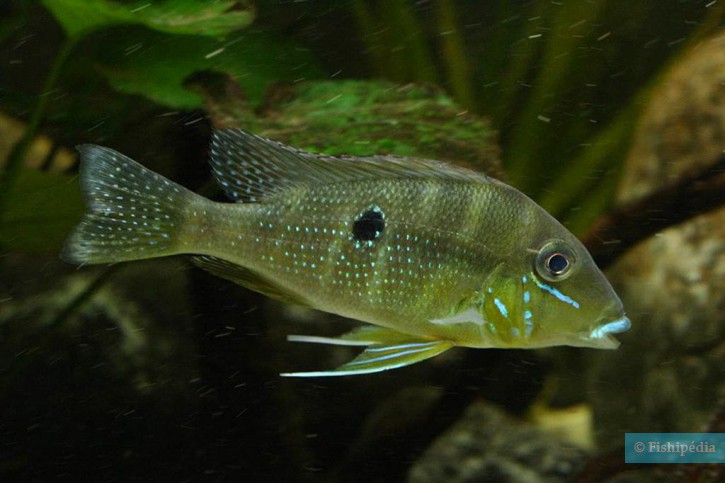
(674, 447)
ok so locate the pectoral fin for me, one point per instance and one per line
(386, 349)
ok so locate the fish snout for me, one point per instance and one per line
(601, 335)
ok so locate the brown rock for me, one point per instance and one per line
(669, 375)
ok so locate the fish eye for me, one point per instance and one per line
(557, 263)
(554, 261)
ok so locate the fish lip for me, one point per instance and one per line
(601, 335)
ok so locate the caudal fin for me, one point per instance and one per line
(133, 213)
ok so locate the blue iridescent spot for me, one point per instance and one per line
(557, 294)
(501, 307)
(528, 323)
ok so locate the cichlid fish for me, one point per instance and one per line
(434, 255)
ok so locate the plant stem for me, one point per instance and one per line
(83, 297)
(693, 194)
(555, 76)
(368, 27)
(455, 58)
(9, 172)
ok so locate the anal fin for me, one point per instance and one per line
(386, 349)
(246, 278)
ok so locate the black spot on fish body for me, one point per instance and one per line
(368, 225)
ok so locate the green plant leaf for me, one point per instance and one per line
(157, 69)
(40, 211)
(213, 19)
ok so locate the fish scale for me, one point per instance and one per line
(419, 268)
(432, 255)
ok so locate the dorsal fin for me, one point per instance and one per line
(250, 167)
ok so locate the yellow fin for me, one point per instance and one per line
(247, 278)
(386, 349)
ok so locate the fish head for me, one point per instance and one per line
(555, 295)
(573, 303)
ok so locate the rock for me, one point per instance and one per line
(358, 118)
(131, 335)
(40, 150)
(682, 127)
(669, 374)
(488, 445)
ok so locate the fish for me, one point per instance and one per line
(427, 255)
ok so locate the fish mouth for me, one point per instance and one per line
(601, 336)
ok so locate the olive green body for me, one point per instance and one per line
(440, 245)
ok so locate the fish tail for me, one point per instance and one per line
(133, 213)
